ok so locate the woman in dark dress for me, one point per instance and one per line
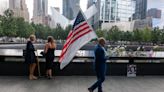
(30, 57)
(49, 55)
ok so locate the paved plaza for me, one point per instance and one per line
(80, 84)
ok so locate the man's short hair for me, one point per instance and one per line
(101, 39)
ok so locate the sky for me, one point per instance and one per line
(54, 3)
(83, 3)
(160, 5)
(58, 3)
(157, 4)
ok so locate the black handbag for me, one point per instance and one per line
(43, 54)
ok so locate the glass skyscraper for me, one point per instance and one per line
(140, 10)
(95, 20)
(126, 9)
(117, 10)
(40, 8)
(40, 11)
(71, 8)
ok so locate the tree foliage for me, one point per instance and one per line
(17, 27)
(14, 26)
(155, 36)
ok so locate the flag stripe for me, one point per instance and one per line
(69, 35)
(72, 41)
(83, 25)
(82, 30)
(76, 32)
(80, 34)
(67, 40)
(80, 25)
(68, 43)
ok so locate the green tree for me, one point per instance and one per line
(1, 30)
(8, 23)
(114, 34)
(137, 35)
(162, 36)
(100, 33)
(127, 36)
(40, 31)
(146, 35)
(60, 33)
(24, 29)
(155, 36)
(67, 30)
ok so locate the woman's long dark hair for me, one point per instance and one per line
(50, 39)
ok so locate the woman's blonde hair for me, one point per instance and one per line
(32, 37)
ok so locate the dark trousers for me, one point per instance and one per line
(100, 79)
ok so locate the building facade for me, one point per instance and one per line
(95, 20)
(154, 13)
(140, 10)
(4, 6)
(57, 9)
(125, 10)
(13, 4)
(71, 8)
(108, 10)
(19, 8)
(40, 11)
(129, 25)
(127, 15)
(117, 10)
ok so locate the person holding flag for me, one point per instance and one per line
(80, 35)
(100, 64)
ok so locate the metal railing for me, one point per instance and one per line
(81, 54)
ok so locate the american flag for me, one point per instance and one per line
(80, 34)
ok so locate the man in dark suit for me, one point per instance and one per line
(99, 65)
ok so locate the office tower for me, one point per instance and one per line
(19, 8)
(40, 11)
(117, 10)
(13, 4)
(95, 20)
(154, 13)
(71, 8)
(112, 11)
(141, 8)
(4, 6)
(40, 7)
(126, 9)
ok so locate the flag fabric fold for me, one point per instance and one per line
(80, 35)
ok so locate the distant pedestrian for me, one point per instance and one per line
(30, 57)
(99, 65)
(49, 49)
